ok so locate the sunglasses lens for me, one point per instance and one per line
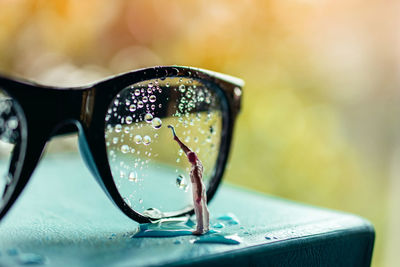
(10, 135)
(149, 169)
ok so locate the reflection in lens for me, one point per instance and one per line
(10, 124)
(150, 171)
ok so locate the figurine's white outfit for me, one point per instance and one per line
(200, 205)
(198, 188)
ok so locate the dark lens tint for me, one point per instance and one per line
(150, 171)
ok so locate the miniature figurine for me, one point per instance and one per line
(198, 188)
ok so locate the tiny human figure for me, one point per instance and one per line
(198, 188)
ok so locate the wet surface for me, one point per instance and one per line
(66, 219)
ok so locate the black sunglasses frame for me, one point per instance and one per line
(52, 111)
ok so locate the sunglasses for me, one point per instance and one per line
(123, 135)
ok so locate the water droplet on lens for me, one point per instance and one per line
(156, 123)
(12, 123)
(146, 140)
(132, 177)
(116, 102)
(128, 119)
(150, 85)
(153, 98)
(140, 201)
(125, 149)
(148, 117)
(140, 104)
(145, 99)
(137, 92)
(182, 88)
(132, 108)
(181, 182)
(115, 140)
(118, 128)
(137, 139)
(128, 202)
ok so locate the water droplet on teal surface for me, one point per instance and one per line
(229, 218)
(218, 225)
(31, 259)
(219, 239)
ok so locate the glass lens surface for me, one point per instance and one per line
(10, 135)
(150, 170)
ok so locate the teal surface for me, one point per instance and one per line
(63, 218)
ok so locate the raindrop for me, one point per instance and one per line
(116, 102)
(125, 149)
(121, 174)
(137, 92)
(148, 117)
(140, 201)
(126, 129)
(150, 85)
(115, 140)
(137, 139)
(146, 140)
(145, 99)
(167, 85)
(140, 104)
(156, 123)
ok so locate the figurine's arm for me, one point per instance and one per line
(182, 145)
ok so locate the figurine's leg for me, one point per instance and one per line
(199, 218)
(206, 216)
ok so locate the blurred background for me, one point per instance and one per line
(319, 122)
